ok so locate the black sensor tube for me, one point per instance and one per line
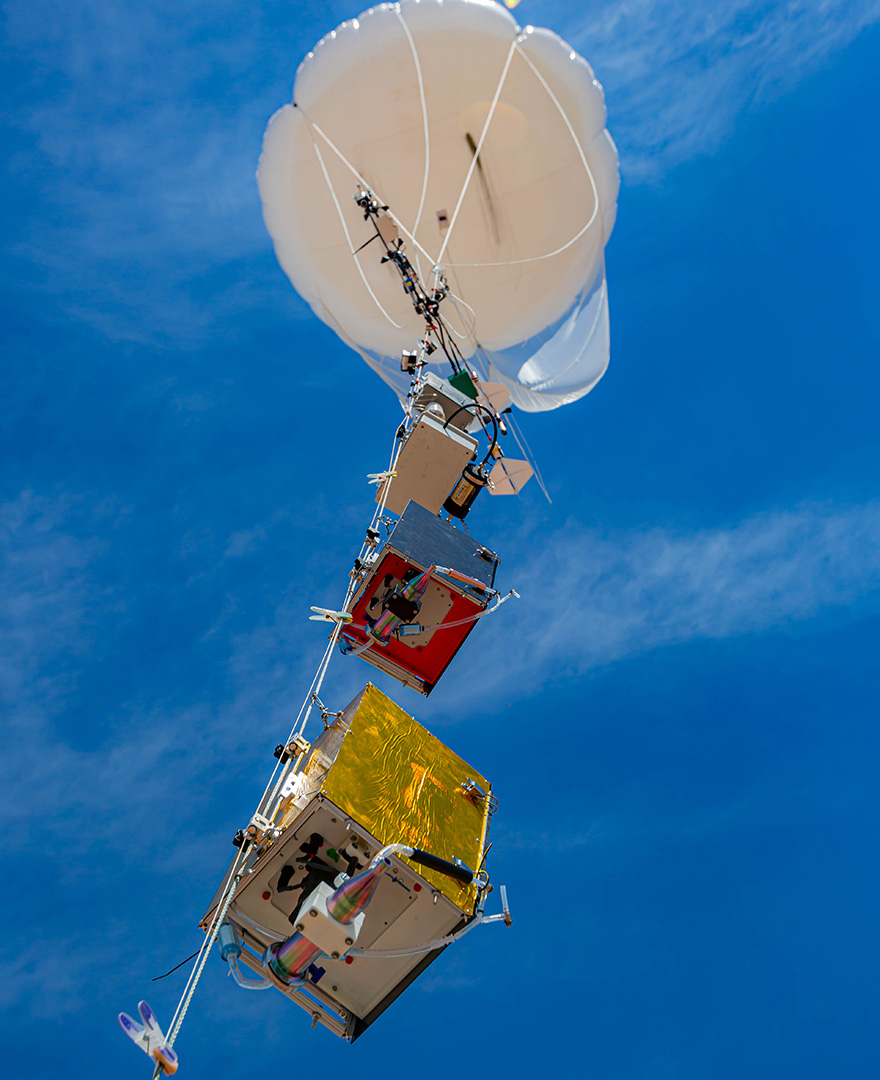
(443, 866)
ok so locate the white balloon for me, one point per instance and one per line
(398, 100)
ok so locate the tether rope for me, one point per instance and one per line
(195, 975)
(238, 868)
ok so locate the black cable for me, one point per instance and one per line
(441, 335)
(490, 414)
(180, 965)
(426, 305)
(448, 344)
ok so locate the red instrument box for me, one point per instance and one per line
(422, 647)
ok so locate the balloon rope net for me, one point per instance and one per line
(410, 234)
(583, 158)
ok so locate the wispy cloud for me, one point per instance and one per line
(44, 605)
(677, 74)
(141, 161)
(591, 598)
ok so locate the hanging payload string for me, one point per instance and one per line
(290, 962)
(528, 267)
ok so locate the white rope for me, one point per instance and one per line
(360, 179)
(318, 679)
(476, 157)
(470, 331)
(205, 951)
(520, 438)
(265, 804)
(583, 157)
(332, 190)
(238, 868)
(438, 943)
(415, 56)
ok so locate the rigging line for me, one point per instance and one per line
(469, 331)
(527, 450)
(238, 867)
(418, 66)
(452, 352)
(447, 342)
(182, 1008)
(485, 363)
(520, 439)
(583, 157)
(448, 326)
(305, 713)
(176, 966)
(322, 671)
(410, 236)
(476, 155)
(318, 679)
(223, 890)
(362, 181)
(380, 507)
(399, 326)
(267, 799)
(472, 333)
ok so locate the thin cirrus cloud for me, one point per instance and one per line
(141, 179)
(591, 599)
(679, 74)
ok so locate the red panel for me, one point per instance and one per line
(426, 662)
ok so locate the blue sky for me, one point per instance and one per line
(680, 713)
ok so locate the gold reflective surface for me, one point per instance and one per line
(400, 783)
